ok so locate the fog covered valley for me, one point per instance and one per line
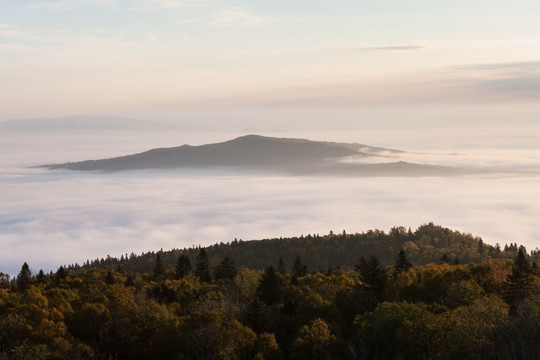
(50, 217)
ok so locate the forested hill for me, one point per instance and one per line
(428, 244)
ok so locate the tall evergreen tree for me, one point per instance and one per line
(159, 268)
(24, 278)
(445, 259)
(282, 269)
(183, 266)
(202, 267)
(226, 270)
(271, 287)
(402, 263)
(299, 269)
(372, 274)
(256, 317)
(519, 282)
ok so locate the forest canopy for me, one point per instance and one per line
(382, 306)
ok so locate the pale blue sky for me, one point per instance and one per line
(170, 58)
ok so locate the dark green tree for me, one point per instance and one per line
(61, 273)
(40, 276)
(159, 268)
(202, 267)
(445, 259)
(256, 317)
(183, 267)
(299, 269)
(109, 279)
(402, 263)
(271, 287)
(24, 279)
(372, 275)
(518, 284)
(282, 269)
(226, 270)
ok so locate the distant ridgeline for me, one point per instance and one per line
(428, 244)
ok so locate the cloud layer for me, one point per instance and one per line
(54, 218)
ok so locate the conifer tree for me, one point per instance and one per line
(24, 278)
(183, 267)
(372, 274)
(518, 283)
(226, 270)
(256, 317)
(40, 276)
(271, 287)
(445, 259)
(61, 273)
(299, 269)
(202, 268)
(282, 269)
(159, 269)
(402, 263)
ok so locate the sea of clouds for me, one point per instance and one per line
(51, 218)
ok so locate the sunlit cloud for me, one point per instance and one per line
(228, 18)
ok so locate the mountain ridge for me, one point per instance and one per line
(255, 152)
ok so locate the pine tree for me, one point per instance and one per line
(299, 269)
(372, 274)
(226, 270)
(402, 263)
(40, 276)
(202, 268)
(445, 259)
(256, 317)
(109, 279)
(518, 283)
(24, 278)
(61, 273)
(183, 267)
(282, 269)
(159, 269)
(271, 287)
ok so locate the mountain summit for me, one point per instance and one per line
(254, 152)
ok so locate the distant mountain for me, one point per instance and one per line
(83, 122)
(253, 152)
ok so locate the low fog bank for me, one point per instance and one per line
(48, 220)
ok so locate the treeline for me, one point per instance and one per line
(428, 244)
(192, 310)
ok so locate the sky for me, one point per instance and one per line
(230, 62)
(455, 82)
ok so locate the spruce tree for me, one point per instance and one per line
(402, 263)
(183, 267)
(519, 282)
(299, 269)
(271, 287)
(226, 270)
(159, 269)
(282, 269)
(372, 274)
(202, 268)
(24, 278)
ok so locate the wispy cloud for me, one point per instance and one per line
(392, 48)
(229, 18)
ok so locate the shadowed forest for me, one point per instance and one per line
(429, 294)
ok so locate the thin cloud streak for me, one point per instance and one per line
(393, 48)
